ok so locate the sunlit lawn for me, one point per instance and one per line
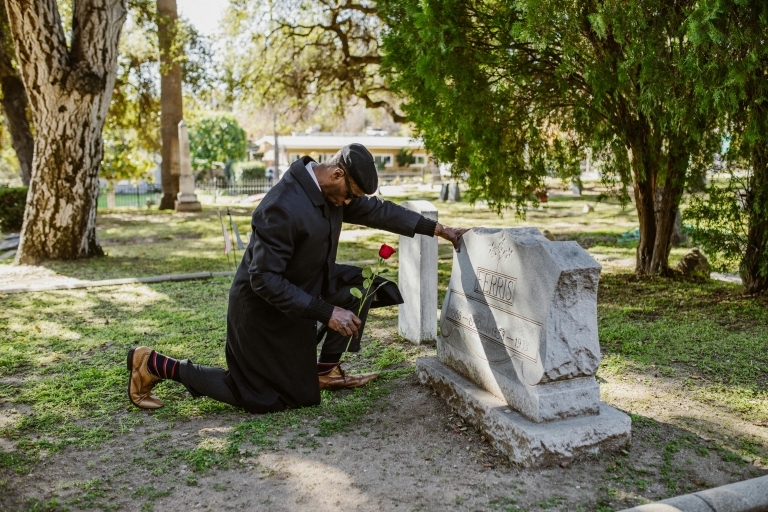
(140, 242)
(62, 353)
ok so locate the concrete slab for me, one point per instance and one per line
(525, 442)
(745, 496)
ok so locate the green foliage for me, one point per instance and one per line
(215, 140)
(510, 93)
(728, 67)
(718, 223)
(250, 171)
(134, 111)
(405, 157)
(12, 203)
(9, 163)
(124, 157)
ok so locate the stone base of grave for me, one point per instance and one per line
(526, 443)
(189, 206)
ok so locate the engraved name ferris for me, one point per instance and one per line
(489, 316)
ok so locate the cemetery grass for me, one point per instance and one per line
(685, 358)
(71, 440)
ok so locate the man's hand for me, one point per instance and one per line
(451, 234)
(344, 321)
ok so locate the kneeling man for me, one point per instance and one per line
(287, 284)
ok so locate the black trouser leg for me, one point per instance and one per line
(335, 343)
(206, 381)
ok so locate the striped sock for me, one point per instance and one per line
(163, 366)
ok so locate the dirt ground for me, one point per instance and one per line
(411, 454)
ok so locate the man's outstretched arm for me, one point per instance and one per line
(377, 213)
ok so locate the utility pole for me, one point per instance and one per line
(276, 148)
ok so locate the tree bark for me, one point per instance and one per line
(656, 203)
(171, 108)
(69, 92)
(14, 101)
(644, 177)
(754, 265)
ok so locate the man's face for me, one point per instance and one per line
(342, 189)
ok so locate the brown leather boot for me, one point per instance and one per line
(339, 379)
(141, 382)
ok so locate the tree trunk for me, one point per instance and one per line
(656, 204)
(644, 177)
(668, 202)
(171, 108)
(754, 265)
(14, 101)
(69, 92)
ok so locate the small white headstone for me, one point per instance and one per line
(417, 280)
(575, 189)
(454, 193)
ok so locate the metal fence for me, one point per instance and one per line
(131, 196)
(223, 187)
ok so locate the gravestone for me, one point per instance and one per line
(186, 200)
(454, 194)
(417, 280)
(518, 347)
(444, 192)
(575, 189)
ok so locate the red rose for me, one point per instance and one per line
(386, 251)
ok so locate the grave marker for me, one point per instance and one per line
(417, 316)
(186, 200)
(519, 322)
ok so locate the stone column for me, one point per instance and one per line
(187, 200)
(417, 316)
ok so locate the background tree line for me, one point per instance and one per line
(509, 93)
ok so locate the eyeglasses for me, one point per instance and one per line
(350, 195)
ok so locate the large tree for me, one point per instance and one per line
(69, 88)
(14, 101)
(307, 53)
(171, 105)
(504, 89)
(729, 66)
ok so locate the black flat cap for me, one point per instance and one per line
(358, 162)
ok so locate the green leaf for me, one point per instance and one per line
(357, 293)
(367, 272)
(367, 284)
(383, 271)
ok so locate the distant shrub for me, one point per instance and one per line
(12, 201)
(253, 172)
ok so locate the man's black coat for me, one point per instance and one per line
(275, 299)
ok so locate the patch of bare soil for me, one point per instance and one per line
(15, 276)
(410, 454)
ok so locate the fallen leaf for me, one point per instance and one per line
(37, 327)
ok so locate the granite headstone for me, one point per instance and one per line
(519, 320)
